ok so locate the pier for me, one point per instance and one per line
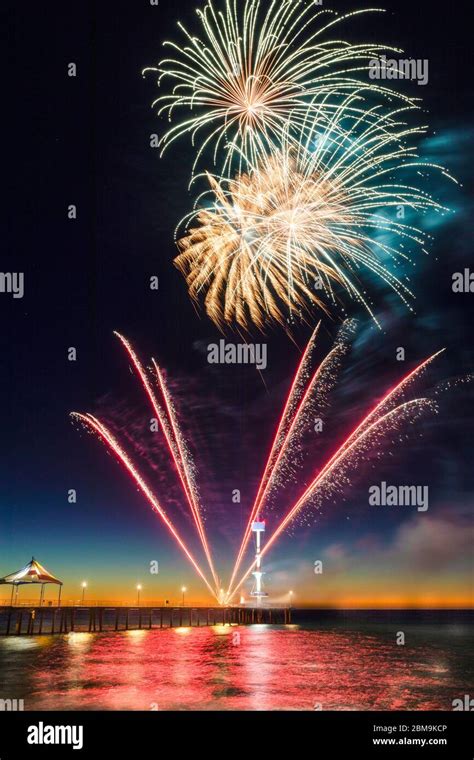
(32, 621)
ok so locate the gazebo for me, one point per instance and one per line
(33, 572)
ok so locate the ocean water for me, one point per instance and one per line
(348, 663)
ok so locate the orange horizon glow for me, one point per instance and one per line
(421, 600)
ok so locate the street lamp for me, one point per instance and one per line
(139, 588)
(183, 591)
(291, 596)
(84, 586)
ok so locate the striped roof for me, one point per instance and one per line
(33, 572)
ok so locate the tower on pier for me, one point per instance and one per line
(258, 527)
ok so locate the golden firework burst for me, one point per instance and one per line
(307, 222)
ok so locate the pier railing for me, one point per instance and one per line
(86, 603)
(34, 620)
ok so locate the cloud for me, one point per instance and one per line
(432, 543)
(423, 543)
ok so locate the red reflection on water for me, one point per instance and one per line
(247, 668)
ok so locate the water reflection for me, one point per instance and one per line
(258, 667)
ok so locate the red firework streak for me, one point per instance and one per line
(175, 445)
(276, 448)
(385, 412)
(355, 437)
(105, 434)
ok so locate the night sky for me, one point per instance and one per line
(86, 141)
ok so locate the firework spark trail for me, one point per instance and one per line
(296, 389)
(249, 71)
(382, 406)
(315, 397)
(292, 417)
(382, 419)
(174, 448)
(93, 423)
(186, 464)
(348, 448)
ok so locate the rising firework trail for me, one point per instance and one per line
(94, 424)
(308, 388)
(292, 416)
(385, 417)
(187, 467)
(296, 388)
(175, 444)
(391, 420)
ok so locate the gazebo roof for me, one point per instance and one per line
(33, 572)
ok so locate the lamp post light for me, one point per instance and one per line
(139, 588)
(183, 591)
(84, 586)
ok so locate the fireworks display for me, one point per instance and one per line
(180, 456)
(373, 432)
(175, 443)
(250, 67)
(317, 165)
(275, 241)
(309, 390)
(316, 195)
(238, 374)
